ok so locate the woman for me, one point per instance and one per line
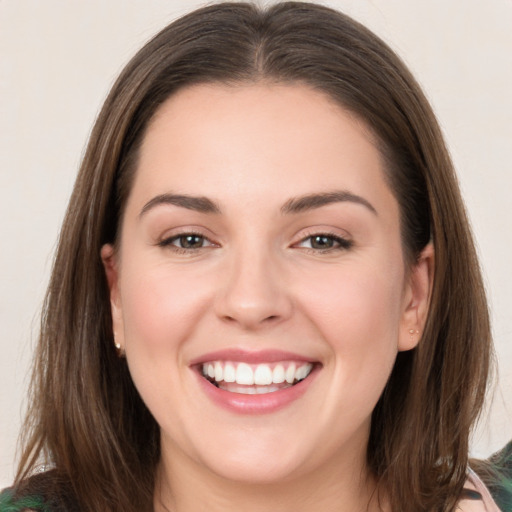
(265, 292)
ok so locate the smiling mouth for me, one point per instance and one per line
(252, 379)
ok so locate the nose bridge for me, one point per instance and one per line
(254, 292)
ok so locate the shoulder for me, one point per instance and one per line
(492, 479)
(476, 497)
(500, 483)
(43, 492)
(11, 502)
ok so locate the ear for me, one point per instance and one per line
(416, 304)
(111, 266)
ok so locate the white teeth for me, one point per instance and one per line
(218, 371)
(278, 375)
(229, 373)
(260, 390)
(290, 374)
(244, 374)
(250, 390)
(261, 375)
(302, 372)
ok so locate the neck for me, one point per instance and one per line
(186, 486)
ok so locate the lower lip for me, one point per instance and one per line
(256, 404)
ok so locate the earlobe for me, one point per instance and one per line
(110, 264)
(417, 299)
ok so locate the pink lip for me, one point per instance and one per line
(249, 357)
(255, 404)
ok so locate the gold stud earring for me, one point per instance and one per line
(412, 332)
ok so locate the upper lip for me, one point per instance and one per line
(250, 356)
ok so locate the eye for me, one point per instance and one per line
(186, 242)
(324, 242)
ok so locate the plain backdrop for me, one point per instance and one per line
(58, 59)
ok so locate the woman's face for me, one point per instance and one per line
(261, 243)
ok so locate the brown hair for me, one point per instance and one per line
(86, 416)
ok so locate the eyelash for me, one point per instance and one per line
(341, 243)
(169, 242)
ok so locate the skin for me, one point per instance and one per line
(258, 280)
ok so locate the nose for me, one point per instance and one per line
(253, 293)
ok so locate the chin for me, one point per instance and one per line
(263, 455)
(264, 471)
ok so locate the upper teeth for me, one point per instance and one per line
(259, 374)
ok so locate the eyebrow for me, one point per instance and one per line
(294, 205)
(312, 201)
(198, 204)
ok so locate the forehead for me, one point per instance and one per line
(219, 139)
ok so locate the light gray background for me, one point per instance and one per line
(58, 59)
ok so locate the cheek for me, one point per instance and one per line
(161, 307)
(358, 314)
(354, 308)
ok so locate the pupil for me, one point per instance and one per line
(322, 242)
(191, 241)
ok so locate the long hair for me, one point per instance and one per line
(86, 417)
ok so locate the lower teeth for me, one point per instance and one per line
(251, 390)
